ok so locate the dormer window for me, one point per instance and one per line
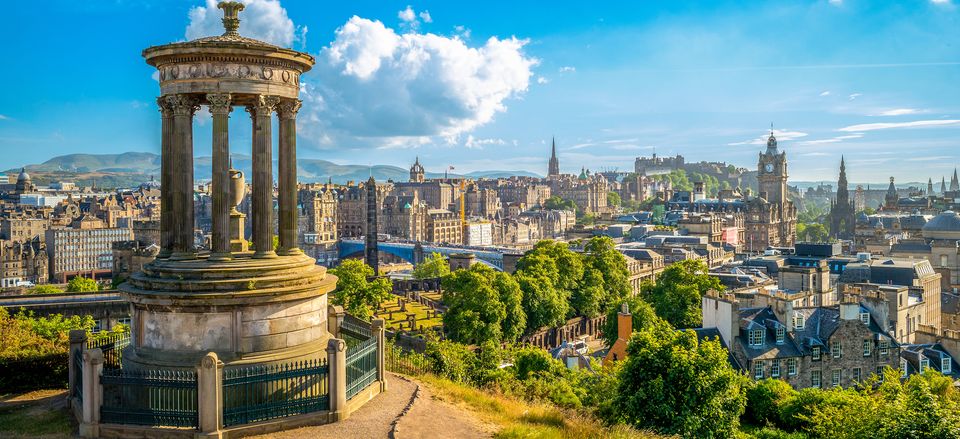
(924, 365)
(815, 353)
(865, 318)
(781, 334)
(756, 337)
(946, 365)
(798, 321)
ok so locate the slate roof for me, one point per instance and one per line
(766, 320)
(935, 353)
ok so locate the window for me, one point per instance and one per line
(798, 321)
(867, 347)
(946, 365)
(814, 378)
(856, 374)
(781, 333)
(791, 366)
(97, 326)
(815, 353)
(758, 369)
(835, 378)
(775, 369)
(903, 367)
(924, 365)
(884, 347)
(836, 349)
(124, 321)
(880, 370)
(756, 337)
(865, 318)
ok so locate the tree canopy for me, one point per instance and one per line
(357, 290)
(677, 294)
(642, 315)
(82, 284)
(557, 203)
(432, 267)
(678, 384)
(483, 305)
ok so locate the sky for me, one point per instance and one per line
(487, 85)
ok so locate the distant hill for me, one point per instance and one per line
(132, 168)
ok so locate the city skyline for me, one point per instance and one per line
(703, 80)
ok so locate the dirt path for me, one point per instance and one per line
(431, 418)
(406, 411)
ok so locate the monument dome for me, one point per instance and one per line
(946, 225)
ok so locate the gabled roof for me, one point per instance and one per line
(765, 320)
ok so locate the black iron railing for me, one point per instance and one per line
(157, 398)
(259, 393)
(361, 366)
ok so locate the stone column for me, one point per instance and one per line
(337, 374)
(262, 202)
(166, 176)
(220, 108)
(378, 328)
(92, 393)
(335, 315)
(210, 396)
(184, 107)
(287, 180)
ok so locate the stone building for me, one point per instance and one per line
(319, 236)
(587, 191)
(129, 257)
(771, 219)
(553, 167)
(842, 209)
(23, 228)
(23, 262)
(84, 249)
(444, 226)
(481, 202)
(806, 347)
(657, 165)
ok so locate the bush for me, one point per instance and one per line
(451, 360)
(765, 399)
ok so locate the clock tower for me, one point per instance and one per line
(772, 173)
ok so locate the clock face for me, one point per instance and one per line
(769, 167)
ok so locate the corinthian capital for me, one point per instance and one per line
(288, 108)
(183, 104)
(166, 108)
(263, 105)
(219, 103)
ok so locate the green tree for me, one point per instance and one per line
(45, 289)
(814, 232)
(678, 292)
(557, 203)
(677, 384)
(357, 290)
(547, 275)
(432, 267)
(613, 198)
(642, 315)
(82, 284)
(601, 255)
(765, 400)
(483, 305)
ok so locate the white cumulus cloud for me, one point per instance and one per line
(375, 87)
(475, 143)
(407, 15)
(567, 69)
(263, 20)
(889, 125)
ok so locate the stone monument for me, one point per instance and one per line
(249, 307)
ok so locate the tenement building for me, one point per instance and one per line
(815, 347)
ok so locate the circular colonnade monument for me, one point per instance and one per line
(249, 307)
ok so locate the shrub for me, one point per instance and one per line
(765, 399)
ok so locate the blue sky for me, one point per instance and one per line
(484, 85)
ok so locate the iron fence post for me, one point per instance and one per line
(377, 326)
(78, 338)
(210, 396)
(337, 374)
(93, 393)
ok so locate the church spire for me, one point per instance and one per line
(553, 167)
(954, 182)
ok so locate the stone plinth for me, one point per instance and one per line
(248, 311)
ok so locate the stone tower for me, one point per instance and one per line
(954, 182)
(265, 306)
(772, 173)
(554, 166)
(416, 172)
(892, 198)
(842, 212)
(371, 254)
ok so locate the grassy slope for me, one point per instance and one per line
(523, 419)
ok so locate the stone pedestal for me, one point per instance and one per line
(247, 311)
(238, 243)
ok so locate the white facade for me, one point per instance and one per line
(479, 234)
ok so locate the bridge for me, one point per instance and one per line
(407, 250)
